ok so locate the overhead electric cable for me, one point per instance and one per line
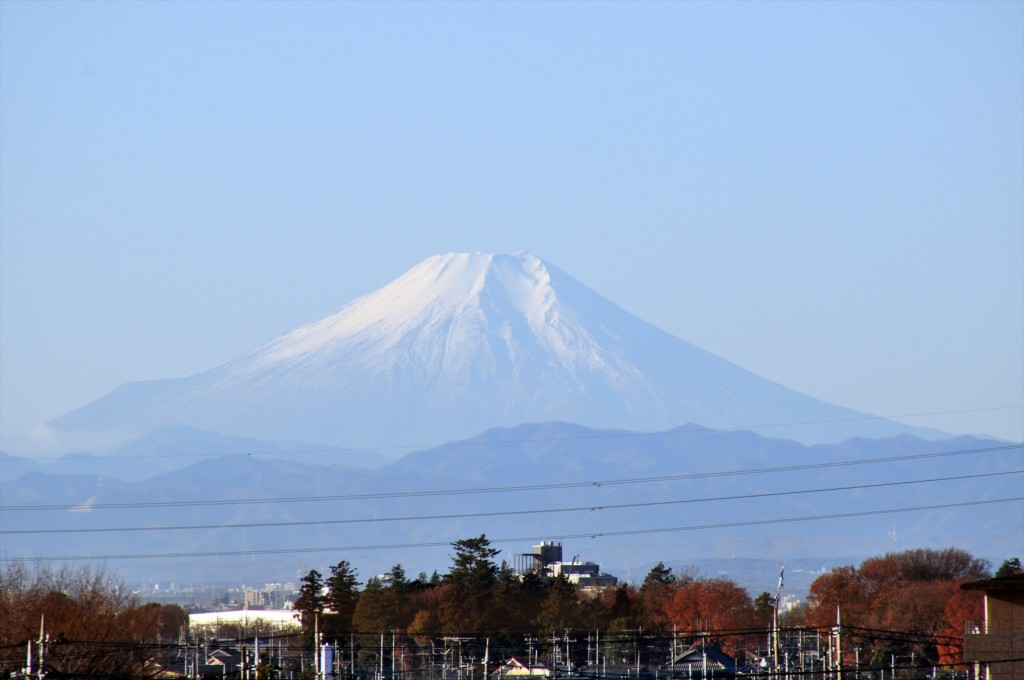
(623, 636)
(500, 513)
(521, 539)
(530, 487)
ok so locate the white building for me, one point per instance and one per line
(273, 618)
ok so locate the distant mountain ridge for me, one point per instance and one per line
(460, 343)
(624, 499)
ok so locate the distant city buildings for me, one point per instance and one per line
(270, 596)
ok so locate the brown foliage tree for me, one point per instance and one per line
(426, 603)
(560, 609)
(916, 606)
(963, 607)
(655, 597)
(93, 624)
(843, 587)
(923, 564)
(717, 605)
(619, 603)
(907, 592)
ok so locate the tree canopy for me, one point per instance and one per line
(913, 593)
(89, 616)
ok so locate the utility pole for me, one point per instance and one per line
(672, 652)
(639, 632)
(775, 623)
(42, 645)
(319, 672)
(839, 642)
(568, 655)
(529, 650)
(448, 650)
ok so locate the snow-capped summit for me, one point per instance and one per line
(460, 343)
(497, 321)
(449, 307)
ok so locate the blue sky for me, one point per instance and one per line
(828, 194)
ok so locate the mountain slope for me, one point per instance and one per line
(460, 343)
(624, 499)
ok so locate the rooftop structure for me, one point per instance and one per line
(273, 618)
(996, 646)
(546, 560)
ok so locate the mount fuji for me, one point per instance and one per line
(461, 343)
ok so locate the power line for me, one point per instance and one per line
(609, 637)
(531, 487)
(521, 539)
(497, 513)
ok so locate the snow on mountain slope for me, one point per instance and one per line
(460, 343)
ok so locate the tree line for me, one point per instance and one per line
(906, 604)
(92, 623)
(915, 594)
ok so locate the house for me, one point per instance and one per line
(702, 661)
(996, 645)
(226, 659)
(188, 668)
(514, 668)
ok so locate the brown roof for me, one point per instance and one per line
(1014, 582)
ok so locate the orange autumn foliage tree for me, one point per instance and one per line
(907, 592)
(718, 606)
(843, 587)
(962, 607)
